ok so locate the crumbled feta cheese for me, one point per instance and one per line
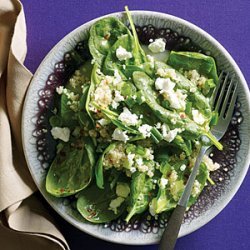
(140, 165)
(139, 161)
(198, 117)
(175, 98)
(103, 122)
(59, 90)
(119, 135)
(123, 54)
(130, 159)
(158, 125)
(163, 182)
(149, 154)
(115, 203)
(117, 78)
(171, 134)
(145, 130)
(61, 133)
(211, 166)
(196, 188)
(192, 89)
(117, 99)
(128, 118)
(183, 167)
(157, 46)
(150, 173)
(122, 189)
(164, 84)
(132, 169)
(151, 60)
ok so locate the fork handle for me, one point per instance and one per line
(171, 232)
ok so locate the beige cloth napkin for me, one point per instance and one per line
(24, 222)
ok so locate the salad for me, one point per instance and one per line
(129, 126)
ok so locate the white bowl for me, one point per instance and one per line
(30, 110)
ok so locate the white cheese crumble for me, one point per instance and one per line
(150, 173)
(157, 46)
(211, 166)
(164, 85)
(198, 117)
(122, 189)
(117, 99)
(128, 118)
(140, 165)
(163, 182)
(119, 135)
(59, 90)
(169, 135)
(145, 130)
(117, 78)
(123, 54)
(151, 61)
(183, 167)
(61, 133)
(175, 98)
(196, 188)
(130, 160)
(149, 154)
(103, 122)
(115, 203)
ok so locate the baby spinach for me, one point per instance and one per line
(192, 130)
(71, 170)
(205, 65)
(103, 34)
(99, 167)
(93, 204)
(194, 96)
(141, 188)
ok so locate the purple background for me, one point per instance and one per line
(227, 20)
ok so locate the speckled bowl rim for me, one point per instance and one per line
(212, 41)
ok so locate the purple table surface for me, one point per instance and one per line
(226, 20)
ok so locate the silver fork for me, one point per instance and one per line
(223, 103)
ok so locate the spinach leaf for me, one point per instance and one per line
(103, 34)
(192, 130)
(198, 100)
(205, 65)
(71, 170)
(93, 204)
(68, 116)
(99, 166)
(141, 188)
(163, 202)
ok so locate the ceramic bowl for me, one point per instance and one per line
(213, 199)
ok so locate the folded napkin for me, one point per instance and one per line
(24, 222)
